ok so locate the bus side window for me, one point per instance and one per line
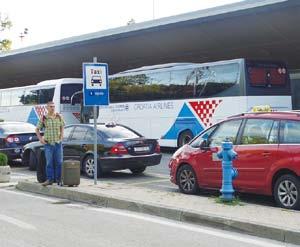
(45, 95)
(182, 84)
(16, 97)
(31, 97)
(5, 99)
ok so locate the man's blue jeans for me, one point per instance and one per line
(54, 155)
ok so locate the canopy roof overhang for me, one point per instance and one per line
(259, 29)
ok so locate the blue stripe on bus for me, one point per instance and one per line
(184, 121)
(33, 118)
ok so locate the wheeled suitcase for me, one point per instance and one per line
(41, 166)
(70, 174)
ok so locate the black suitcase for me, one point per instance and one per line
(70, 174)
(41, 166)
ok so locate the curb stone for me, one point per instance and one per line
(224, 223)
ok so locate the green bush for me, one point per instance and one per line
(3, 159)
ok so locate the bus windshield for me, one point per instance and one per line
(267, 78)
(67, 90)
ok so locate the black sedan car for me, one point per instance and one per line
(119, 147)
(13, 136)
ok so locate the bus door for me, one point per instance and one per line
(86, 112)
(70, 110)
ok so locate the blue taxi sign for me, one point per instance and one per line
(95, 84)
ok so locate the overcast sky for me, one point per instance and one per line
(58, 19)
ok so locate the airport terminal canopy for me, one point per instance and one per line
(254, 29)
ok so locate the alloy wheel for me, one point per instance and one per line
(187, 180)
(287, 193)
(89, 167)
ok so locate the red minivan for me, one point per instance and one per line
(268, 162)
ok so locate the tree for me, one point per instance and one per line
(5, 23)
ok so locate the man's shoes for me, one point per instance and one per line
(47, 182)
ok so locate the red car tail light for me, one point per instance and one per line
(119, 148)
(12, 139)
(157, 148)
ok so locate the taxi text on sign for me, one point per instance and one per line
(95, 84)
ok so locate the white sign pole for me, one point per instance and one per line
(95, 139)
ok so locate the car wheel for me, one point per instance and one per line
(32, 161)
(287, 191)
(138, 170)
(88, 166)
(184, 138)
(187, 180)
(41, 168)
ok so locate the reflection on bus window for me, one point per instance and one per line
(46, 95)
(30, 97)
(165, 84)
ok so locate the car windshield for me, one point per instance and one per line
(117, 132)
(17, 127)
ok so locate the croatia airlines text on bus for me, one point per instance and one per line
(174, 102)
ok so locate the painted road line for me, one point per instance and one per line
(28, 195)
(167, 186)
(213, 232)
(149, 182)
(16, 222)
(158, 175)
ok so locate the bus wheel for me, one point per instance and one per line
(184, 138)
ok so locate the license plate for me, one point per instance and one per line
(141, 149)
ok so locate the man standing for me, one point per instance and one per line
(53, 125)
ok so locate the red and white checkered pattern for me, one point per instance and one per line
(41, 110)
(205, 110)
(77, 115)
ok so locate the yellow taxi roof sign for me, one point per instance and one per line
(262, 108)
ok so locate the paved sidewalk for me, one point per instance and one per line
(264, 221)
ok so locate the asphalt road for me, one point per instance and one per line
(162, 168)
(27, 220)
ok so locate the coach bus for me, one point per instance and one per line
(28, 104)
(174, 102)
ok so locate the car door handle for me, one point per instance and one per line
(266, 153)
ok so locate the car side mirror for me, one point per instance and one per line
(204, 145)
